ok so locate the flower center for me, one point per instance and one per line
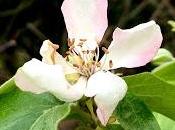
(83, 54)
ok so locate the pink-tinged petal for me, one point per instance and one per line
(108, 90)
(38, 77)
(85, 18)
(134, 47)
(51, 56)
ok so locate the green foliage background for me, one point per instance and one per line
(24, 24)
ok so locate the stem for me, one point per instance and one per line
(99, 128)
(89, 104)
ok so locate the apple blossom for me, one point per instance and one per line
(81, 72)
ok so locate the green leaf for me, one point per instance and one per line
(50, 118)
(133, 114)
(156, 93)
(164, 122)
(113, 127)
(7, 86)
(172, 23)
(26, 111)
(166, 72)
(163, 56)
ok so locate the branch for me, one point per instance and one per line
(158, 11)
(36, 31)
(22, 6)
(7, 45)
(134, 12)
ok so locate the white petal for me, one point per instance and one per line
(48, 52)
(108, 90)
(72, 92)
(37, 77)
(51, 56)
(85, 18)
(134, 47)
(89, 44)
(67, 67)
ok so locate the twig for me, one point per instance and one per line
(170, 8)
(134, 13)
(36, 31)
(162, 5)
(7, 45)
(158, 11)
(22, 6)
(125, 12)
(107, 36)
(10, 25)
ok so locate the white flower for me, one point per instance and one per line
(81, 72)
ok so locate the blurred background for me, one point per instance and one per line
(24, 24)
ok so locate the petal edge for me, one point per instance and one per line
(107, 89)
(134, 47)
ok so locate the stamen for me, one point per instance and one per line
(98, 64)
(93, 52)
(75, 53)
(110, 64)
(81, 44)
(69, 42)
(84, 52)
(75, 65)
(84, 56)
(105, 58)
(68, 53)
(90, 58)
(97, 54)
(73, 40)
(71, 47)
(87, 71)
(83, 40)
(106, 51)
